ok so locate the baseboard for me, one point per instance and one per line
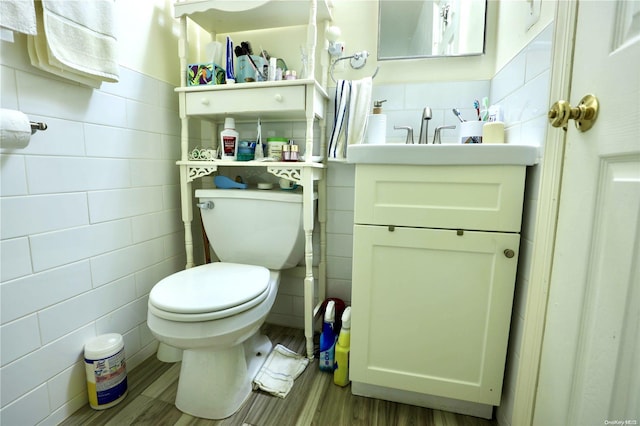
(422, 400)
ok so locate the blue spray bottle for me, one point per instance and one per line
(328, 339)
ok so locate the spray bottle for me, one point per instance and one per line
(341, 374)
(328, 339)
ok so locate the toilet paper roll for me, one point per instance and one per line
(493, 132)
(376, 129)
(15, 129)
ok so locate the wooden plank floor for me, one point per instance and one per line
(314, 400)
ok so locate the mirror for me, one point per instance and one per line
(428, 28)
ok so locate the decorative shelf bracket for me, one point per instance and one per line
(291, 174)
(194, 172)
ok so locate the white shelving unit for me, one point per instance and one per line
(294, 100)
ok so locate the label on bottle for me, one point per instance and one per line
(229, 145)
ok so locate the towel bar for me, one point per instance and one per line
(357, 61)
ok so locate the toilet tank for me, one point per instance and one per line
(254, 226)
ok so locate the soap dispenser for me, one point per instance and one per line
(377, 125)
(377, 106)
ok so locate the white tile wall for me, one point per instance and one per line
(90, 222)
(523, 87)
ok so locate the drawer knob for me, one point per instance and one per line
(278, 97)
(205, 101)
(509, 253)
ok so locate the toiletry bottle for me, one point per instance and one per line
(229, 139)
(341, 374)
(328, 339)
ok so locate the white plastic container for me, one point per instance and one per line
(470, 131)
(229, 140)
(106, 370)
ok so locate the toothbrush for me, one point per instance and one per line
(456, 112)
(485, 106)
(476, 105)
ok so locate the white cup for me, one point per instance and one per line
(470, 131)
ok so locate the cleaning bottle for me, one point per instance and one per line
(229, 140)
(341, 374)
(328, 339)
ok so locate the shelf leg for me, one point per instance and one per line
(309, 284)
(322, 221)
(187, 214)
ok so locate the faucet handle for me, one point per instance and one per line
(409, 130)
(439, 129)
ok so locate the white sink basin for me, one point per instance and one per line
(429, 154)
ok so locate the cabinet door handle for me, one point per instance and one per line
(509, 253)
(205, 101)
(278, 97)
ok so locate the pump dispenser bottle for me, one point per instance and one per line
(343, 347)
(377, 125)
(328, 338)
(229, 140)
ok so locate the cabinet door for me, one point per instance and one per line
(431, 310)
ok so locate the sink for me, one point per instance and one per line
(454, 154)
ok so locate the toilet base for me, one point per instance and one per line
(214, 383)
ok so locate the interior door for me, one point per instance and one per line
(589, 371)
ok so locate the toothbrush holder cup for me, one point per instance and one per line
(470, 131)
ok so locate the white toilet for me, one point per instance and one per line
(214, 312)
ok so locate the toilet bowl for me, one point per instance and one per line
(222, 349)
(213, 312)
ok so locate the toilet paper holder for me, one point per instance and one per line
(37, 125)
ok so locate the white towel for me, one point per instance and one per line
(279, 371)
(39, 56)
(18, 15)
(80, 39)
(352, 103)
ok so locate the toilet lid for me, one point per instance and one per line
(211, 288)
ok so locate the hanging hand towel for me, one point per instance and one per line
(81, 37)
(279, 371)
(352, 103)
(39, 56)
(18, 15)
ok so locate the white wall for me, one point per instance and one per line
(90, 222)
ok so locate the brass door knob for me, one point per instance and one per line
(509, 253)
(584, 114)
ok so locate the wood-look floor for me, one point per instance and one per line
(314, 400)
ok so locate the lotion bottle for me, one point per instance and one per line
(343, 347)
(328, 339)
(229, 140)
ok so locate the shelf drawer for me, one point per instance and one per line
(279, 99)
(486, 198)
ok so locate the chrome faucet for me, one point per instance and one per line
(424, 125)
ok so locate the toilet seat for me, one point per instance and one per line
(208, 292)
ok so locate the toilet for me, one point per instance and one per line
(213, 312)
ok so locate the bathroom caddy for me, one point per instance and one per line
(303, 99)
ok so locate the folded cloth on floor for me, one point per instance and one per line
(352, 103)
(18, 15)
(279, 371)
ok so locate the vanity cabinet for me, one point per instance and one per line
(291, 100)
(434, 266)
